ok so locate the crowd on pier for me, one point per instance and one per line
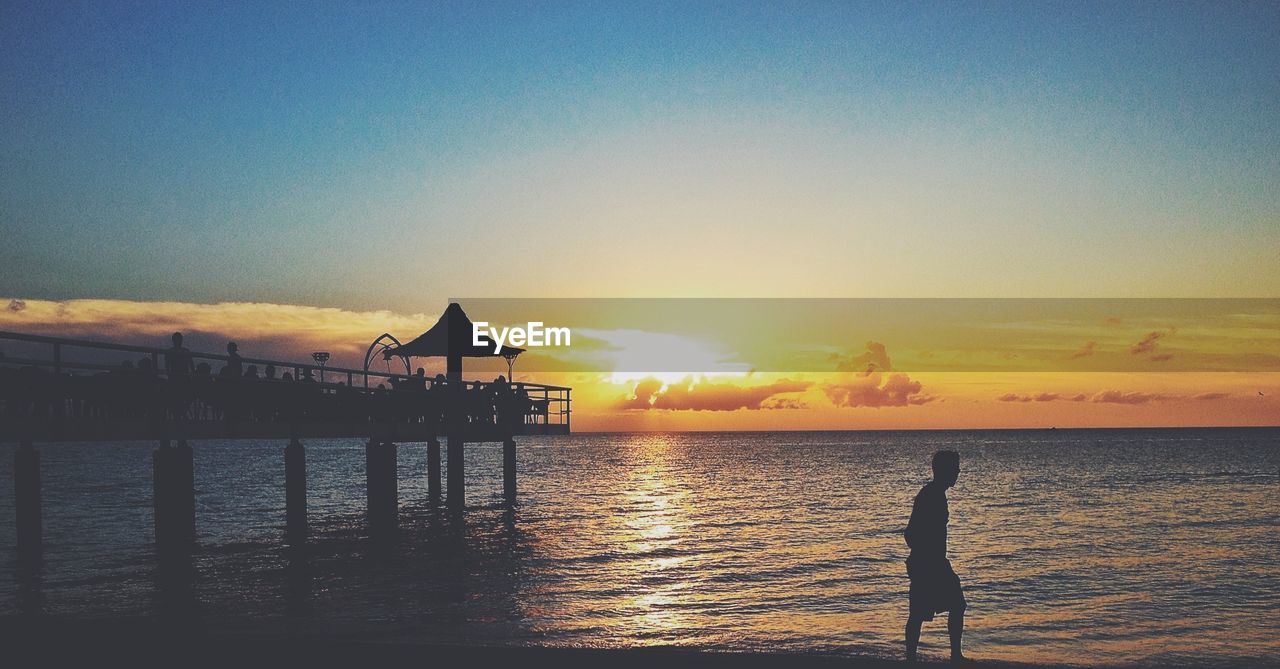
(177, 386)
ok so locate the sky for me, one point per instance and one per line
(377, 159)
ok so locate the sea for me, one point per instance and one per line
(1089, 547)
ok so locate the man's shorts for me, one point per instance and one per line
(934, 588)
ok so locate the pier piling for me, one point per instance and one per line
(26, 487)
(295, 493)
(456, 495)
(383, 496)
(174, 496)
(509, 470)
(433, 470)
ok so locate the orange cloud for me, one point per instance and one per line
(874, 359)
(1149, 343)
(1132, 397)
(1042, 397)
(692, 394)
(1085, 351)
(1109, 397)
(867, 390)
(1211, 396)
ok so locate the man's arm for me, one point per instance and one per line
(912, 533)
(926, 525)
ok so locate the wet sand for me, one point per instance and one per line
(48, 642)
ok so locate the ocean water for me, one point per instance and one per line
(1078, 546)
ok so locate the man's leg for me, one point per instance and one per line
(955, 626)
(913, 636)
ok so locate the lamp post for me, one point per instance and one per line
(321, 357)
(511, 362)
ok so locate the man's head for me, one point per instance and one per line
(946, 467)
(177, 339)
(232, 347)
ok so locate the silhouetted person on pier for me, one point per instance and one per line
(934, 585)
(233, 369)
(436, 400)
(525, 405)
(504, 410)
(177, 360)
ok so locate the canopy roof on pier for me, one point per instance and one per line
(451, 336)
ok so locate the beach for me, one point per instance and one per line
(148, 643)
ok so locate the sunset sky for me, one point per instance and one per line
(296, 177)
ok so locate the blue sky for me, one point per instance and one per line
(390, 155)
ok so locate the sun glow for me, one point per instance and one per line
(631, 352)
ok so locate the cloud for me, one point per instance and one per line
(874, 359)
(1108, 397)
(261, 329)
(1211, 396)
(1146, 344)
(1131, 397)
(783, 403)
(877, 390)
(1085, 351)
(1149, 343)
(699, 394)
(1042, 397)
(871, 387)
(643, 395)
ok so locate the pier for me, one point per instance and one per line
(63, 389)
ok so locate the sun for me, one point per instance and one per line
(633, 355)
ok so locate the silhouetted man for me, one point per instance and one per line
(177, 360)
(234, 367)
(179, 366)
(934, 585)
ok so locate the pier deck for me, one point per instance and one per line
(58, 389)
(53, 398)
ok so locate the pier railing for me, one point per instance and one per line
(71, 389)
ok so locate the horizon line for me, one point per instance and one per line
(943, 429)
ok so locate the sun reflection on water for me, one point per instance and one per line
(653, 533)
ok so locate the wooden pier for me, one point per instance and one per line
(71, 390)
